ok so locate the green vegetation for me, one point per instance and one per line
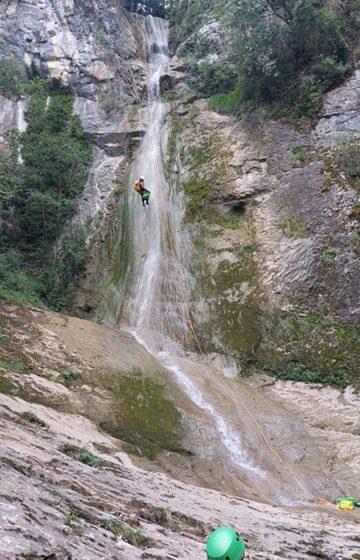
(71, 378)
(145, 419)
(39, 196)
(74, 520)
(230, 220)
(83, 455)
(159, 8)
(32, 418)
(198, 192)
(209, 78)
(188, 17)
(328, 255)
(298, 155)
(296, 371)
(11, 79)
(17, 367)
(283, 55)
(172, 519)
(31, 555)
(7, 387)
(132, 536)
(309, 348)
(248, 250)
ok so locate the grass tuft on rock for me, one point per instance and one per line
(83, 455)
(132, 536)
(32, 418)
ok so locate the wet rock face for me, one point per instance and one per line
(70, 41)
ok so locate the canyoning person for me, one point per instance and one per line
(139, 187)
(225, 544)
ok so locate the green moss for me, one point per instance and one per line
(144, 417)
(233, 297)
(322, 351)
(198, 192)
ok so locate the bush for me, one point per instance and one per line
(11, 79)
(16, 284)
(83, 455)
(63, 267)
(210, 79)
(33, 419)
(38, 197)
(287, 54)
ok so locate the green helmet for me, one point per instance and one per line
(225, 544)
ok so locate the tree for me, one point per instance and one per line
(275, 42)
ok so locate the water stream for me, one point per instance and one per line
(156, 307)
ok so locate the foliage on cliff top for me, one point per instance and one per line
(287, 54)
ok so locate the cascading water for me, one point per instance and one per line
(156, 306)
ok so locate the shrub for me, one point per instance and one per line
(16, 283)
(33, 419)
(329, 255)
(132, 536)
(296, 371)
(287, 54)
(38, 197)
(83, 455)
(11, 78)
(211, 78)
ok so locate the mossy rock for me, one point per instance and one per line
(144, 417)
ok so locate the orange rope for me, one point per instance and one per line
(322, 501)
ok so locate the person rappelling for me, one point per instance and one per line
(139, 187)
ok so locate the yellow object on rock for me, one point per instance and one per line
(345, 505)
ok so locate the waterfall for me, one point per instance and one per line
(156, 305)
(21, 125)
(155, 308)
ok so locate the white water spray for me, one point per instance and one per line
(21, 125)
